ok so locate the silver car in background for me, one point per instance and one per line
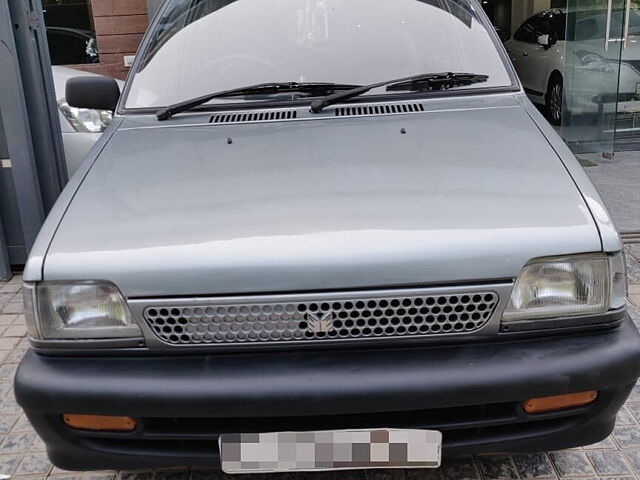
(321, 235)
(540, 51)
(81, 127)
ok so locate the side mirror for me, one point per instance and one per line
(546, 40)
(94, 92)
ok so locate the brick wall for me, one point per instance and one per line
(119, 25)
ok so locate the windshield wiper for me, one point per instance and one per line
(312, 88)
(415, 83)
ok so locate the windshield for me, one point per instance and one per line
(201, 46)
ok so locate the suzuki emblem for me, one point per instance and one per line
(319, 323)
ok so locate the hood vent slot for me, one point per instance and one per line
(252, 117)
(383, 109)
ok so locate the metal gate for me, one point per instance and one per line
(33, 171)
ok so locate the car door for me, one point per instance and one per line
(69, 46)
(520, 48)
(593, 65)
(538, 56)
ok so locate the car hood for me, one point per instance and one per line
(462, 195)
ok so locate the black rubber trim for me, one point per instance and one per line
(309, 383)
(70, 450)
(610, 318)
(358, 384)
(533, 92)
(87, 344)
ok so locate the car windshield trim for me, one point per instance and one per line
(306, 102)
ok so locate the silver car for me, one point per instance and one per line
(322, 235)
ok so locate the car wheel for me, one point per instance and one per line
(554, 100)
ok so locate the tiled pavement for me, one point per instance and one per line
(617, 458)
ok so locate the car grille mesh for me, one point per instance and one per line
(352, 318)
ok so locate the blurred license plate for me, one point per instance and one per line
(329, 450)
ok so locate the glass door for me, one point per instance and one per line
(596, 35)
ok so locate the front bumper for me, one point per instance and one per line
(473, 393)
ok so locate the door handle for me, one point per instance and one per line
(525, 54)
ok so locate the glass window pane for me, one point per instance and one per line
(202, 46)
(70, 32)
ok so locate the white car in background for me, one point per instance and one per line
(541, 55)
(80, 127)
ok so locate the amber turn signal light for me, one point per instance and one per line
(99, 422)
(559, 402)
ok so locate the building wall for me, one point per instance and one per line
(119, 26)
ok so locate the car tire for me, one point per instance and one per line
(555, 99)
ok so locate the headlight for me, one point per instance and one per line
(85, 119)
(567, 286)
(80, 310)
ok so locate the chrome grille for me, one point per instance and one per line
(283, 319)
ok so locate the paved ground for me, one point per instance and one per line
(616, 458)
